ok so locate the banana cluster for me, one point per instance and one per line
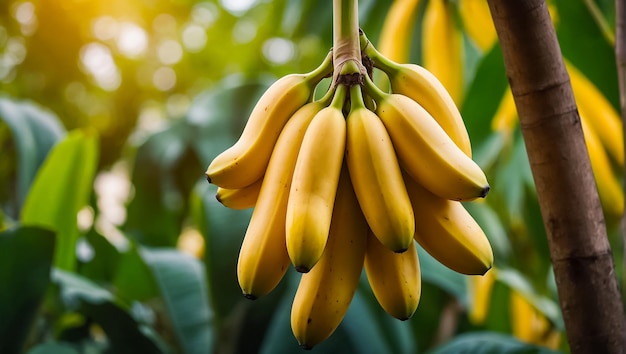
(351, 181)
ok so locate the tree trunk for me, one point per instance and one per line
(581, 255)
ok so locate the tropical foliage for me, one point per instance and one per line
(112, 241)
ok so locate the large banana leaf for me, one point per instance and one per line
(62, 187)
(25, 263)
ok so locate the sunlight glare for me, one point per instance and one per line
(24, 13)
(170, 52)
(98, 61)
(164, 78)
(204, 14)
(194, 38)
(165, 24)
(278, 50)
(238, 7)
(105, 28)
(244, 31)
(132, 40)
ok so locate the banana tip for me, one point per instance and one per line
(485, 191)
(208, 178)
(302, 269)
(306, 346)
(402, 250)
(249, 296)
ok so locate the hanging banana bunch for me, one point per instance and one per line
(352, 181)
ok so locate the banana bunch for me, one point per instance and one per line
(350, 181)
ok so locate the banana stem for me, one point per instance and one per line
(346, 45)
(380, 61)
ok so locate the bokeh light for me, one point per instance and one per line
(238, 7)
(278, 50)
(97, 60)
(194, 38)
(164, 78)
(132, 40)
(170, 52)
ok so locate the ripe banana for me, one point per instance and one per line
(609, 188)
(263, 258)
(376, 177)
(602, 117)
(394, 278)
(480, 289)
(245, 162)
(426, 151)
(314, 184)
(241, 198)
(446, 230)
(476, 18)
(324, 293)
(395, 36)
(423, 87)
(442, 47)
(505, 119)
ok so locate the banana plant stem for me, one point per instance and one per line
(346, 44)
(581, 255)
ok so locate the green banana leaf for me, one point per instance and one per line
(181, 281)
(35, 131)
(125, 334)
(25, 262)
(61, 188)
(488, 343)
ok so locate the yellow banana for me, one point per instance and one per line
(480, 288)
(478, 23)
(376, 177)
(446, 230)
(395, 36)
(263, 258)
(242, 198)
(314, 184)
(423, 87)
(529, 324)
(609, 188)
(505, 119)
(601, 115)
(245, 162)
(442, 47)
(324, 293)
(394, 278)
(426, 151)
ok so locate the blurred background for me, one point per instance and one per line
(112, 110)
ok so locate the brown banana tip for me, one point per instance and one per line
(217, 196)
(250, 296)
(208, 178)
(401, 250)
(485, 191)
(306, 346)
(302, 269)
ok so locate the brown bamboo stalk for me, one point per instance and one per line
(581, 255)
